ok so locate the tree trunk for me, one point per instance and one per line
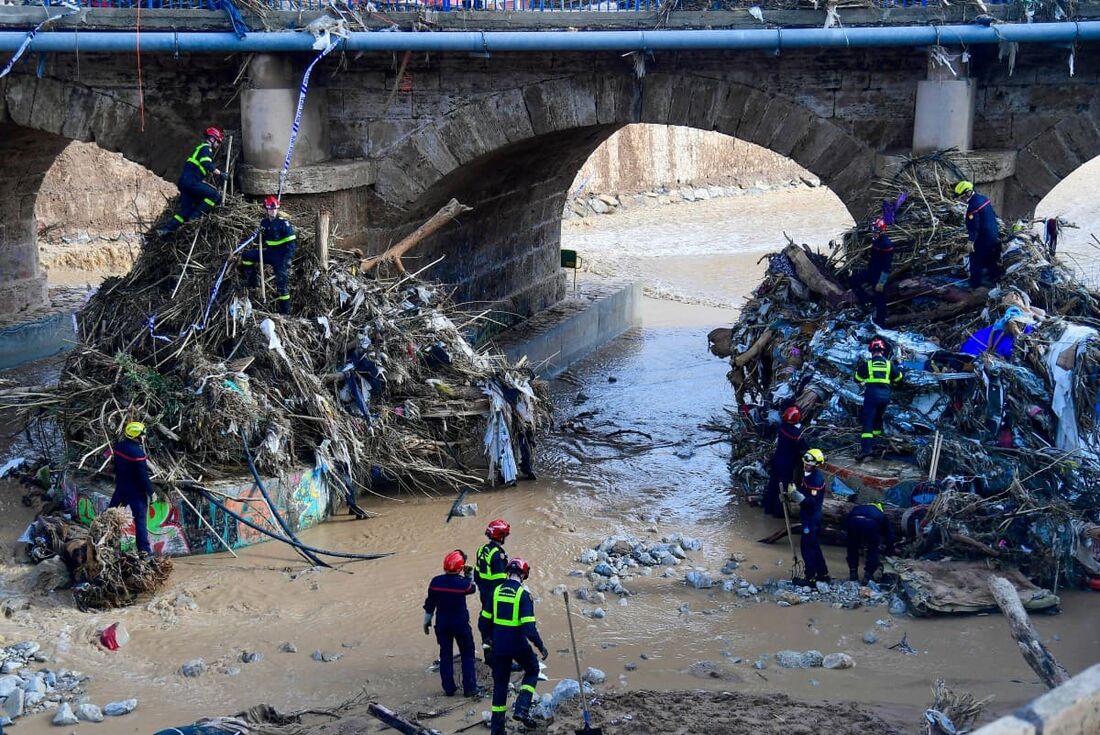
(1034, 652)
(449, 211)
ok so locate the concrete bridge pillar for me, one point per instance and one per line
(267, 109)
(944, 114)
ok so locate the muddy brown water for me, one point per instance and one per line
(666, 385)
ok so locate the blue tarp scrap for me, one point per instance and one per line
(239, 26)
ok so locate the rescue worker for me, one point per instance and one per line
(877, 272)
(447, 600)
(981, 228)
(279, 241)
(489, 573)
(514, 631)
(811, 500)
(867, 527)
(789, 446)
(133, 488)
(196, 196)
(877, 376)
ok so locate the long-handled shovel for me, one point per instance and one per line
(588, 729)
(796, 563)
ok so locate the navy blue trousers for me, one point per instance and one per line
(863, 533)
(139, 506)
(876, 398)
(502, 673)
(447, 636)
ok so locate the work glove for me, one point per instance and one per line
(468, 571)
(543, 652)
(427, 623)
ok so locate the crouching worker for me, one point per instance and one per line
(279, 241)
(867, 527)
(811, 499)
(197, 197)
(514, 631)
(447, 600)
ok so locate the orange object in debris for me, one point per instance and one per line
(114, 636)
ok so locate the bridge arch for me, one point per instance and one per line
(512, 156)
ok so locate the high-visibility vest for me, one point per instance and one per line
(200, 158)
(506, 599)
(485, 563)
(878, 371)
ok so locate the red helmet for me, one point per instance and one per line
(215, 133)
(453, 562)
(877, 345)
(792, 415)
(518, 566)
(879, 224)
(498, 530)
(271, 202)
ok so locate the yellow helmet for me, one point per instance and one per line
(963, 187)
(134, 429)
(814, 456)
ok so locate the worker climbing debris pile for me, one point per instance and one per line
(979, 366)
(371, 376)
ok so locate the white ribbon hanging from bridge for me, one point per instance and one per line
(73, 9)
(302, 90)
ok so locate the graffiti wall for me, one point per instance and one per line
(175, 529)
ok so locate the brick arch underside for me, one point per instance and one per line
(1052, 156)
(512, 156)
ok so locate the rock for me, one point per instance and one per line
(232, 670)
(711, 670)
(9, 684)
(669, 572)
(598, 205)
(560, 590)
(599, 613)
(823, 587)
(10, 667)
(897, 605)
(609, 200)
(690, 544)
(646, 559)
(760, 664)
(588, 556)
(838, 661)
(26, 649)
(799, 659)
(698, 580)
(13, 705)
(565, 690)
(729, 585)
(814, 682)
(351, 644)
(34, 684)
(251, 657)
(33, 699)
(466, 510)
(630, 666)
(194, 667)
(50, 574)
(89, 712)
(870, 638)
(325, 656)
(676, 551)
(604, 569)
(64, 716)
(288, 647)
(185, 601)
(12, 605)
(730, 567)
(592, 675)
(117, 709)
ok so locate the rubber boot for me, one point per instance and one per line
(496, 723)
(283, 306)
(853, 575)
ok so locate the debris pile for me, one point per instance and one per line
(1017, 422)
(372, 378)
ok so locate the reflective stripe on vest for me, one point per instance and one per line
(878, 371)
(199, 161)
(485, 563)
(277, 243)
(506, 601)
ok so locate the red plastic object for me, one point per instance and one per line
(1094, 583)
(114, 636)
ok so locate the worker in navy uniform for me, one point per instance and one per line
(279, 241)
(877, 375)
(489, 573)
(867, 527)
(197, 197)
(133, 487)
(447, 600)
(789, 446)
(877, 272)
(514, 631)
(810, 498)
(982, 229)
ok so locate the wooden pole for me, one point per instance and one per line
(1027, 639)
(324, 218)
(449, 211)
(228, 161)
(397, 722)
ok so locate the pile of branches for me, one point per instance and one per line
(1007, 432)
(371, 377)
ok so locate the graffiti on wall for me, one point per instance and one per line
(175, 529)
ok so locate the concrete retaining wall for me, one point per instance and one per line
(1071, 709)
(557, 337)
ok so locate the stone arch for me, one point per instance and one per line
(512, 155)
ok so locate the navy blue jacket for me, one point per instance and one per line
(508, 639)
(810, 509)
(882, 258)
(131, 469)
(872, 513)
(447, 600)
(278, 232)
(790, 445)
(489, 566)
(981, 224)
(199, 164)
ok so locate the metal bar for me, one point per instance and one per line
(537, 41)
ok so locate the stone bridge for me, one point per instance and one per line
(388, 137)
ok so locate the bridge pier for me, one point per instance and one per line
(269, 104)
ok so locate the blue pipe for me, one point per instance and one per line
(540, 41)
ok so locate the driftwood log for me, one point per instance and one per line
(449, 211)
(719, 342)
(1034, 652)
(812, 277)
(397, 722)
(944, 311)
(754, 351)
